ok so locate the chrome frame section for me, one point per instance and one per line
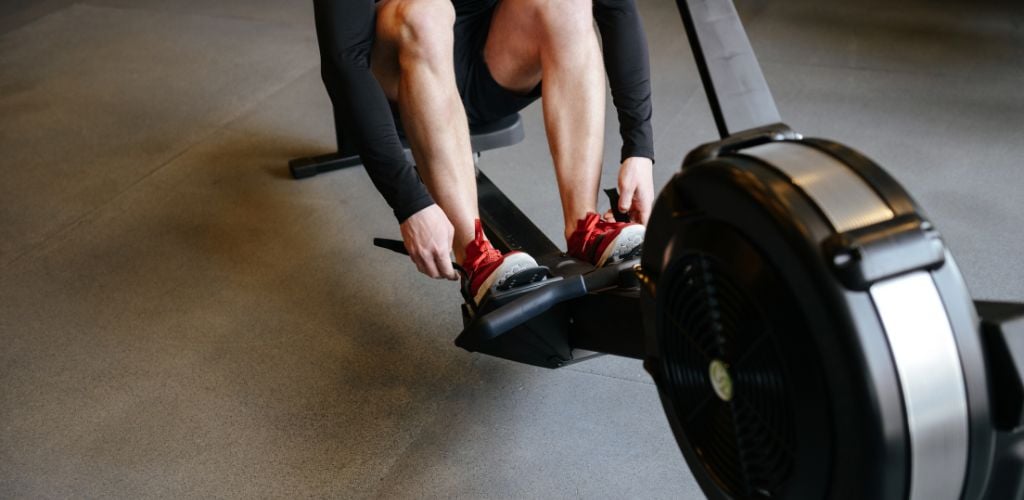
(913, 317)
(847, 201)
(931, 381)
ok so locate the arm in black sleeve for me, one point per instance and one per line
(629, 73)
(345, 31)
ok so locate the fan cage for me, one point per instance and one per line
(747, 444)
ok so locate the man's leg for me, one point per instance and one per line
(554, 42)
(412, 58)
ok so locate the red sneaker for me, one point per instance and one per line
(486, 266)
(600, 242)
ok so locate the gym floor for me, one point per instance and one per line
(178, 318)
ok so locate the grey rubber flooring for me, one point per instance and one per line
(178, 318)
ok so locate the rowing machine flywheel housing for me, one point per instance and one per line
(811, 335)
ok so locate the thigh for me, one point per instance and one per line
(512, 51)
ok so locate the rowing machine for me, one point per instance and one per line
(808, 331)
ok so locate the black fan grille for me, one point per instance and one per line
(746, 444)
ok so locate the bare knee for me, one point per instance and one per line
(562, 18)
(421, 29)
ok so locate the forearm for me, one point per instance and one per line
(345, 35)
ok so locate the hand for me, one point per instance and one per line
(636, 189)
(428, 238)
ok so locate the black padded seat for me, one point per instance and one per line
(504, 132)
(498, 134)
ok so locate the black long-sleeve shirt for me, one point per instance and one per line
(345, 31)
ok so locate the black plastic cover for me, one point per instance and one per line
(867, 255)
(1002, 328)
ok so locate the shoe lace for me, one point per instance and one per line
(479, 251)
(592, 227)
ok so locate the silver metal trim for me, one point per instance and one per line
(844, 197)
(913, 317)
(931, 381)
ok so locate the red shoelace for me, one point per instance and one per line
(586, 241)
(480, 254)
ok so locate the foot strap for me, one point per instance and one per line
(389, 244)
(613, 198)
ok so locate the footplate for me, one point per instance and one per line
(533, 324)
(524, 278)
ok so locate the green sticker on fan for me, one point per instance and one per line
(721, 382)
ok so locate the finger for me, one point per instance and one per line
(609, 216)
(425, 263)
(430, 269)
(626, 192)
(641, 205)
(637, 212)
(643, 215)
(418, 262)
(647, 206)
(444, 266)
(445, 257)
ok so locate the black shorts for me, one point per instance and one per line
(484, 99)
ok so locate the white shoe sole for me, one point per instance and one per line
(627, 240)
(513, 264)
